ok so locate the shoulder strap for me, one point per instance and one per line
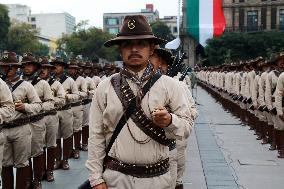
(35, 81)
(51, 81)
(17, 85)
(116, 81)
(63, 78)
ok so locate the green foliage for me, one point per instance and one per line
(4, 26)
(22, 38)
(243, 46)
(161, 30)
(89, 43)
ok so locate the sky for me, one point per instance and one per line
(93, 10)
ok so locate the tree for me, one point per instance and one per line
(89, 43)
(4, 26)
(243, 46)
(161, 30)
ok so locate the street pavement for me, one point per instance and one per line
(221, 154)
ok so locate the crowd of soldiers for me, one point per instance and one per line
(253, 91)
(44, 103)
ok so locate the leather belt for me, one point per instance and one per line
(79, 103)
(137, 170)
(65, 107)
(86, 101)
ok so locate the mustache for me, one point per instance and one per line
(134, 56)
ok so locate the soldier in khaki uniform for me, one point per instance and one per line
(77, 107)
(91, 86)
(140, 156)
(31, 68)
(95, 72)
(17, 148)
(51, 120)
(65, 114)
(7, 109)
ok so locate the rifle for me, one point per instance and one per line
(177, 66)
(184, 73)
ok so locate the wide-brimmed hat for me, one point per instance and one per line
(88, 64)
(134, 27)
(165, 55)
(58, 60)
(29, 58)
(73, 63)
(9, 58)
(44, 62)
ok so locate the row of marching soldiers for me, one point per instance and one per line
(253, 91)
(43, 116)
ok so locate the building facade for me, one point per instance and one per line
(53, 25)
(113, 21)
(254, 15)
(19, 13)
(171, 22)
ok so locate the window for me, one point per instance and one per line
(33, 19)
(252, 20)
(175, 30)
(112, 21)
(34, 26)
(113, 30)
(273, 17)
(241, 1)
(281, 19)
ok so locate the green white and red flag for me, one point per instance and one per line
(205, 19)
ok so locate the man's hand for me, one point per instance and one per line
(281, 117)
(100, 186)
(161, 117)
(19, 106)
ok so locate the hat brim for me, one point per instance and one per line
(72, 66)
(47, 65)
(8, 64)
(119, 39)
(58, 62)
(30, 62)
(167, 56)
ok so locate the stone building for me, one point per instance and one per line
(254, 15)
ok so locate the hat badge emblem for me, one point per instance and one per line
(40, 59)
(131, 24)
(25, 55)
(5, 56)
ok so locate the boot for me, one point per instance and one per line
(7, 178)
(281, 144)
(179, 186)
(38, 170)
(58, 155)
(85, 137)
(44, 164)
(67, 148)
(23, 178)
(264, 134)
(77, 142)
(273, 142)
(50, 162)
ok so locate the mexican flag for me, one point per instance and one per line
(205, 19)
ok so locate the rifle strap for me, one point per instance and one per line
(17, 85)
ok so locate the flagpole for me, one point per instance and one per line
(178, 21)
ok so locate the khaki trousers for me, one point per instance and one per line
(77, 118)
(173, 167)
(2, 141)
(181, 151)
(38, 137)
(118, 180)
(17, 146)
(86, 112)
(51, 124)
(65, 129)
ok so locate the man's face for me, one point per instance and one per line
(72, 71)
(164, 67)
(12, 71)
(59, 69)
(29, 68)
(155, 61)
(44, 72)
(136, 53)
(87, 71)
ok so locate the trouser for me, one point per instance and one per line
(23, 178)
(38, 137)
(51, 124)
(181, 156)
(17, 146)
(173, 167)
(65, 129)
(2, 141)
(77, 126)
(118, 180)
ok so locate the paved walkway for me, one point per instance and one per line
(222, 154)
